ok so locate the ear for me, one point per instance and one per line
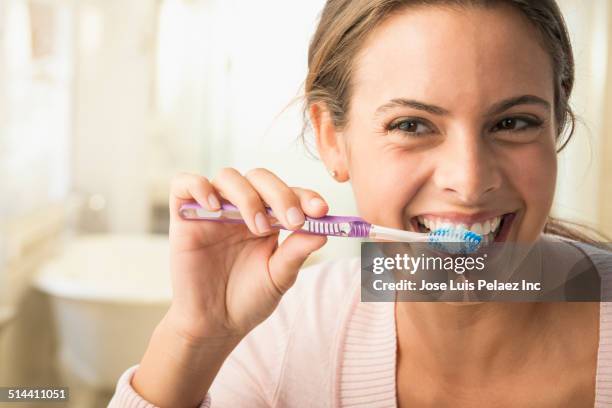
(330, 143)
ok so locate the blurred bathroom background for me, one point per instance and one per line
(103, 101)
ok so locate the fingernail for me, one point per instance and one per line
(213, 202)
(261, 222)
(295, 216)
(317, 202)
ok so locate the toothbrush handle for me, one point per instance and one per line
(228, 214)
(231, 214)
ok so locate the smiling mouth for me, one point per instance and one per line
(494, 229)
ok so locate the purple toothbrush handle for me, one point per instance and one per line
(354, 227)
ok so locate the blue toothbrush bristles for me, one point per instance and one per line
(455, 240)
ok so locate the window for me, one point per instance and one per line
(35, 103)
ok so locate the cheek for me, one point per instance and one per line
(534, 175)
(383, 179)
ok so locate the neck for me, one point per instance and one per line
(467, 342)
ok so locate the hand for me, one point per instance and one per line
(228, 278)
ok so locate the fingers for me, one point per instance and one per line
(286, 261)
(313, 204)
(284, 202)
(250, 193)
(239, 191)
(289, 204)
(189, 187)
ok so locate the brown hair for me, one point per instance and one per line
(345, 24)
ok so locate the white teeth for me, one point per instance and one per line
(445, 224)
(495, 223)
(424, 221)
(435, 224)
(479, 228)
(483, 228)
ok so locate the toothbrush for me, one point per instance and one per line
(346, 226)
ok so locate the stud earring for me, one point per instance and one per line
(333, 173)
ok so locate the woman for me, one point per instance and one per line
(435, 111)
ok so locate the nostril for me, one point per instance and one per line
(467, 181)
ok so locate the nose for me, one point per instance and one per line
(468, 170)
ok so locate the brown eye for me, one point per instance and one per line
(508, 124)
(410, 126)
(516, 124)
(407, 126)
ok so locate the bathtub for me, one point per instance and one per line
(108, 292)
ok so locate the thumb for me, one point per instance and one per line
(286, 261)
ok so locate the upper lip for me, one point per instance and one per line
(463, 218)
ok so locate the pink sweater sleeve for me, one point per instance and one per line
(250, 375)
(126, 397)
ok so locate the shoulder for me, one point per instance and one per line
(599, 255)
(588, 267)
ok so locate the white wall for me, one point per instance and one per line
(35, 106)
(580, 176)
(113, 107)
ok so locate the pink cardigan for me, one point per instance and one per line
(322, 347)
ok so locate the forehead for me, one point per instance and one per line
(453, 56)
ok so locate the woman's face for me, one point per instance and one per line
(451, 120)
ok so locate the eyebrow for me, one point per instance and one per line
(499, 107)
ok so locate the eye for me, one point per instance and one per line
(516, 124)
(412, 126)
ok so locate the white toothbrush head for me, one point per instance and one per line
(455, 240)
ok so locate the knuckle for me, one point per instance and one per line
(196, 183)
(203, 179)
(202, 183)
(256, 172)
(226, 172)
(304, 192)
(284, 198)
(293, 200)
(301, 190)
(311, 193)
(252, 201)
(293, 195)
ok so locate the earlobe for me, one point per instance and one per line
(330, 143)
